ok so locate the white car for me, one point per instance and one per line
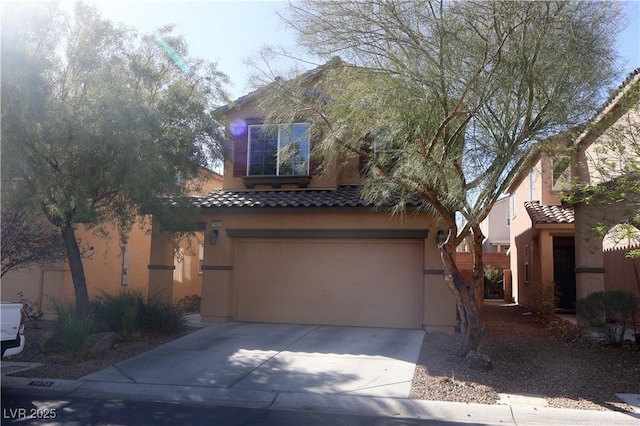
(12, 328)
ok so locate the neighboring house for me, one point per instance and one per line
(111, 266)
(555, 243)
(495, 227)
(286, 244)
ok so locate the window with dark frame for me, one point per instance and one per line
(278, 150)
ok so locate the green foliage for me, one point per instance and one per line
(633, 254)
(130, 328)
(163, 318)
(71, 332)
(26, 244)
(128, 314)
(190, 303)
(445, 101)
(120, 312)
(99, 122)
(610, 312)
(493, 281)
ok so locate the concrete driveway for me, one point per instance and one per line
(280, 357)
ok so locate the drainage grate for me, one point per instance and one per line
(40, 383)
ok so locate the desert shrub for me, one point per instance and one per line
(70, 331)
(131, 326)
(162, 317)
(610, 312)
(128, 314)
(493, 282)
(119, 312)
(544, 299)
(190, 303)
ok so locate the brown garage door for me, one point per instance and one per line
(375, 283)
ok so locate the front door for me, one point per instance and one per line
(564, 264)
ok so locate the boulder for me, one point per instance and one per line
(100, 342)
(477, 361)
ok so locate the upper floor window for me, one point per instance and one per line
(278, 150)
(561, 173)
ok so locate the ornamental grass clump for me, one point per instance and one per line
(71, 332)
(120, 312)
(160, 317)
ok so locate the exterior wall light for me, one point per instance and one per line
(213, 237)
(440, 237)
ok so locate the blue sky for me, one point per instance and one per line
(223, 31)
(229, 32)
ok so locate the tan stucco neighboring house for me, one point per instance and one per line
(111, 265)
(555, 243)
(286, 244)
(496, 227)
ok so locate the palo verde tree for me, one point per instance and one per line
(446, 100)
(99, 121)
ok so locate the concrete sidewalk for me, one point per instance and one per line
(451, 412)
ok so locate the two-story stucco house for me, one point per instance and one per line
(555, 243)
(286, 244)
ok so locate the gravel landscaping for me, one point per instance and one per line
(552, 361)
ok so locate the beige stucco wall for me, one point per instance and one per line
(103, 270)
(520, 234)
(614, 151)
(218, 303)
(27, 281)
(187, 277)
(105, 264)
(495, 227)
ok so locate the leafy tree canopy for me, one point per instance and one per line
(447, 99)
(98, 121)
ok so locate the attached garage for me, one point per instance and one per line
(354, 282)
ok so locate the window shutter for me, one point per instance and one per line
(240, 155)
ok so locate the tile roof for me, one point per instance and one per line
(342, 196)
(540, 213)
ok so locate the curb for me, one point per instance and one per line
(499, 414)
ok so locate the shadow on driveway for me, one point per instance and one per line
(280, 357)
